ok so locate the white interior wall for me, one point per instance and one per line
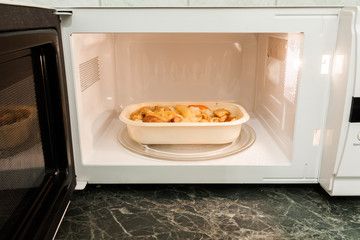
(96, 103)
(186, 67)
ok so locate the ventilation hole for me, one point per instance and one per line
(89, 73)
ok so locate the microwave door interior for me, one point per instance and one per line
(339, 172)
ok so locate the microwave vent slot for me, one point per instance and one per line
(89, 73)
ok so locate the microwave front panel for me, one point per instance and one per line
(319, 28)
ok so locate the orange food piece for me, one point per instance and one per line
(201, 107)
(149, 118)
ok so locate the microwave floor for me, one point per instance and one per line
(210, 212)
(109, 152)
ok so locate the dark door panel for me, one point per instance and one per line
(36, 164)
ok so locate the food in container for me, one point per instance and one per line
(15, 125)
(185, 127)
(182, 113)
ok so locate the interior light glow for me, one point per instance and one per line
(296, 62)
(317, 137)
(238, 46)
(339, 64)
(292, 66)
(329, 137)
(325, 64)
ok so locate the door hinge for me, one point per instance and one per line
(63, 12)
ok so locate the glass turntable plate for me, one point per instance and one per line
(189, 152)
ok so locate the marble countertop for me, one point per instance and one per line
(271, 212)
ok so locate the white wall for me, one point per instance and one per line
(183, 3)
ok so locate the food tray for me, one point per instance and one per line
(185, 132)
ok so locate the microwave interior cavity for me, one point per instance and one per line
(259, 71)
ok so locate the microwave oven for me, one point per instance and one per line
(70, 73)
(295, 70)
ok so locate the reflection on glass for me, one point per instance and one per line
(22, 164)
(339, 63)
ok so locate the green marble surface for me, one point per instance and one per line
(210, 212)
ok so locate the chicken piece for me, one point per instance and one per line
(164, 113)
(196, 114)
(21, 114)
(223, 118)
(136, 116)
(231, 118)
(190, 114)
(6, 118)
(9, 116)
(205, 117)
(183, 111)
(215, 119)
(177, 118)
(221, 112)
(145, 110)
(207, 112)
(201, 107)
(150, 118)
(140, 114)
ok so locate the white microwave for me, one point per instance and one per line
(295, 70)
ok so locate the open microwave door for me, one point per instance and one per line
(340, 165)
(36, 164)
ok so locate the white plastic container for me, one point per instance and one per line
(185, 132)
